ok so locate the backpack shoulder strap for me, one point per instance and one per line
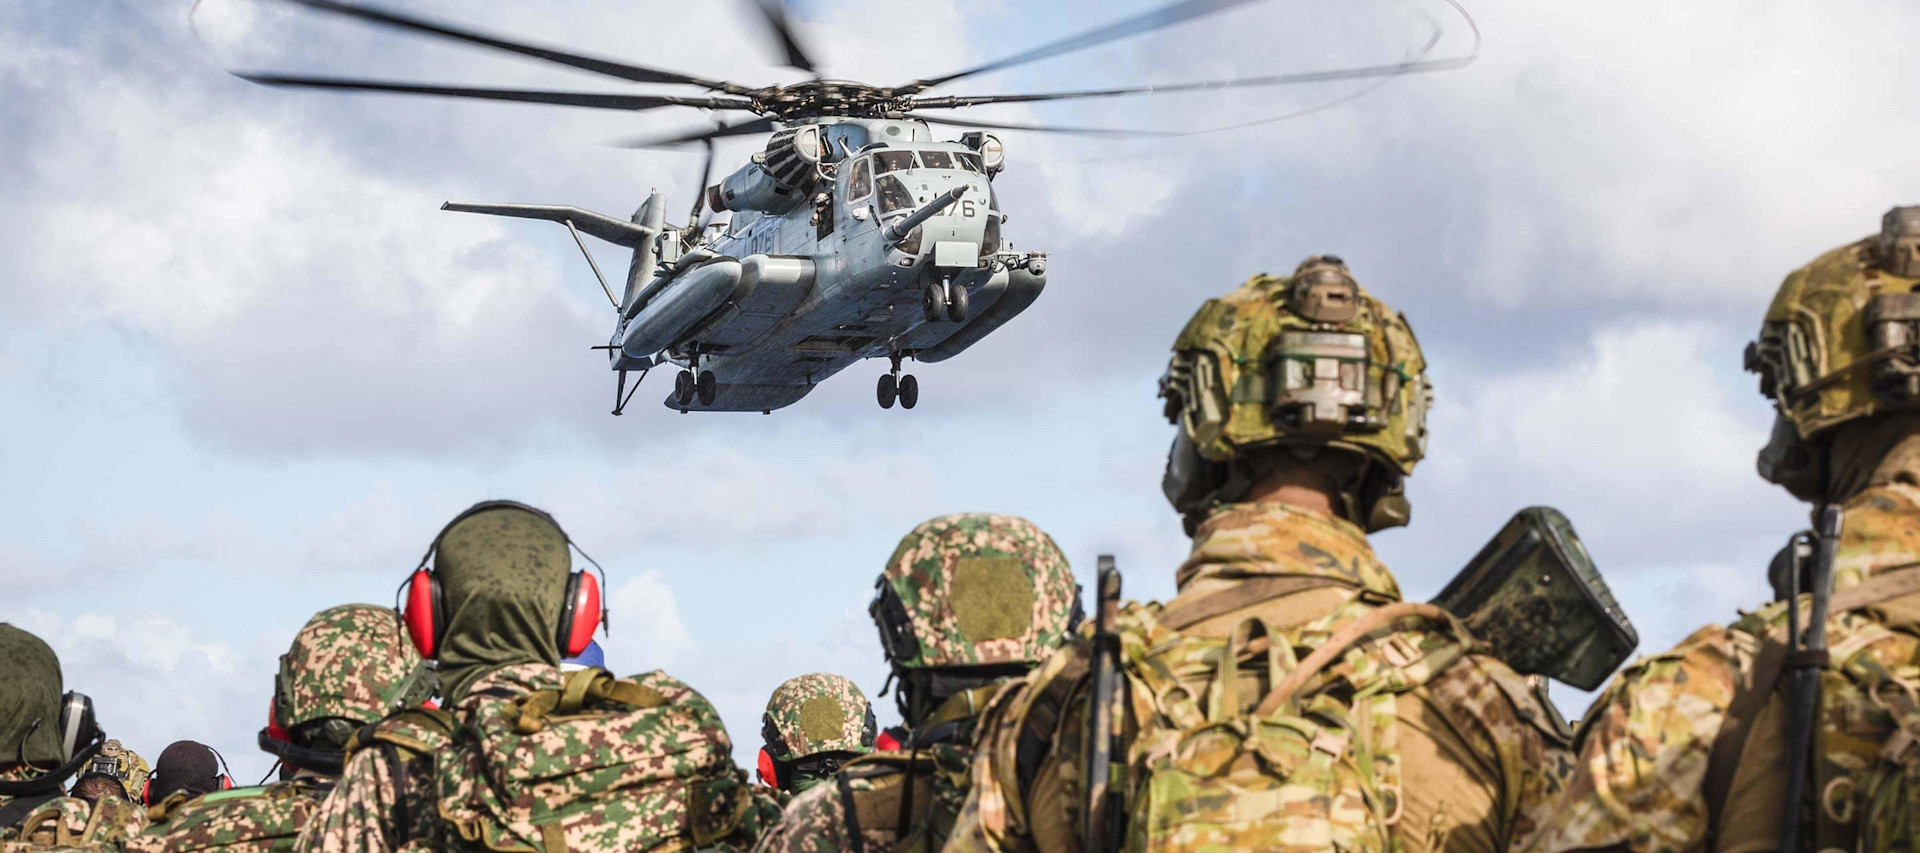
(419, 731)
(1749, 699)
(1336, 646)
(1045, 713)
(18, 808)
(1246, 593)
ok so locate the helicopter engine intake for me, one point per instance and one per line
(779, 177)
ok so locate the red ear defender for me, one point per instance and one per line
(580, 614)
(146, 791)
(764, 767)
(274, 729)
(422, 612)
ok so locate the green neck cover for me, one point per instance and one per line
(30, 690)
(503, 573)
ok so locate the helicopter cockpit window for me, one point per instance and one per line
(893, 194)
(892, 161)
(969, 162)
(859, 183)
(936, 159)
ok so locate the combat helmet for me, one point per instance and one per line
(968, 599)
(813, 723)
(115, 760)
(350, 666)
(1840, 342)
(1304, 363)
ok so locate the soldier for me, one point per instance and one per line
(123, 764)
(45, 737)
(1285, 699)
(526, 757)
(1690, 750)
(966, 603)
(348, 667)
(813, 724)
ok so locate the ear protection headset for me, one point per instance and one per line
(225, 779)
(581, 612)
(80, 740)
(775, 766)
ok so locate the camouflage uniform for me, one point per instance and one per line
(30, 699)
(966, 602)
(812, 724)
(1686, 750)
(349, 666)
(1452, 749)
(526, 757)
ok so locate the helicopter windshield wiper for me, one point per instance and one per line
(625, 71)
(597, 100)
(1145, 22)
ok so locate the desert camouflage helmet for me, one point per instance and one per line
(349, 666)
(1842, 338)
(1309, 360)
(818, 712)
(115, 760)
(975, 589)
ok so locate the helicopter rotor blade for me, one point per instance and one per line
(625, 71)
(1356, 73)
(700, 189)
(1113, 132)
(775, 12)
(597, 100)
(764, 125)
(1146, 22)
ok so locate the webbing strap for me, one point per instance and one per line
(1043, 720)
(553, 839)
(847, 806)
(14, 811)
(1885, 586)
(1243, 594)
(587, 686)
(1724, 758)
(1337, 645)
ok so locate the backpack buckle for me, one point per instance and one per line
(1332, 744)
(1399, 651)
(1897, 746)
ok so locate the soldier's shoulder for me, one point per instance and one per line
(420, 730)
(240, 815)
(1506, 702)
(1677, 696)
(813, 822)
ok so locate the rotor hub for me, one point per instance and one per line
(815, 98)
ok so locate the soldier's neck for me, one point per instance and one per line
(1303, 487)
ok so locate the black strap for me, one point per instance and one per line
(400, 808)
(857, 842)
(13, 812)
(50, 780)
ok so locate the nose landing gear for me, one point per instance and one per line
(895, 387)
(944, 301)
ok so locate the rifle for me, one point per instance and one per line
(1103, 812)
(1806, 656)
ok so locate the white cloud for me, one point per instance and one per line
(645, 631)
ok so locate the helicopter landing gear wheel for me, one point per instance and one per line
(909, 391)
(956, 303)
(706, 387)
(934, 302)
(683, 388)
(888, 390)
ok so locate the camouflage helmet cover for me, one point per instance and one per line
(116, 760)
(819, 712)
(1307, 359)
(352, 662)
(975, 589)
(1841, 340)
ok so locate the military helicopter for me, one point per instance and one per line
(855, 232)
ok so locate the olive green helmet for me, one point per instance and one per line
(1306, 362)
(975, 589)
(1840, 342)
(815, 713)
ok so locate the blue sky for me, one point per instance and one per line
(249, 368)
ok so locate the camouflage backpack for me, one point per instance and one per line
(261, 818)
(1313, 766)
(600, 764)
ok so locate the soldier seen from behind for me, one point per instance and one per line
(813, 724)
(1700, 748)
(348, 667)
(527, 756)
(1286, 698)
(967, 602)
(46, 736)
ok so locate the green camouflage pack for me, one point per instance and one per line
(820, 712)
(597, 765)
(239, 820)
(975, 589)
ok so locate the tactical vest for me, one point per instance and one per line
(263, 818)
(599, 764)
(1314, 764)
(1866, 794)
